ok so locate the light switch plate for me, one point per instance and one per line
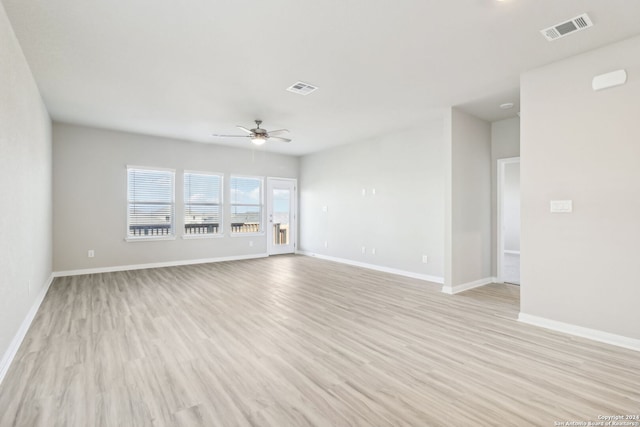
(561, 206)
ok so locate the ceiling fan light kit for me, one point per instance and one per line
(258, 135)
(258, 140)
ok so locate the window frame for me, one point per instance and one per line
(220, 205)
(261, 205)
(172, 228)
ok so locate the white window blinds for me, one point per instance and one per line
(202, 201)
(150, 203)
(246, 204)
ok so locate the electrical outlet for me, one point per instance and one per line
(425, 259)
(250, 243)
(325, 208)
(326, 244)
(364, 250)
(364, 191)
(91, 253)
(373, 251)
(373, 191)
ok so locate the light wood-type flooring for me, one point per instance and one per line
(297, 341)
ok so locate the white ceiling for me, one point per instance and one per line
(195, 67)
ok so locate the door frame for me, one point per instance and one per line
(293, 226)
(501, 165)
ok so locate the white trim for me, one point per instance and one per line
(451, 290)
(150, 238)
(151, 168)
(283, 178)
(220, 174)
(580, 331)
(154, 265)
(196, 236)
(511, 252)
(10, 354)
(500, 166)
(425, 277)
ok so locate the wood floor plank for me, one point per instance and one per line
(297, 341)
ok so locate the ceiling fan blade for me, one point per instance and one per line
(277, 138)
(229, 136)
(275, 132)
(244, 129)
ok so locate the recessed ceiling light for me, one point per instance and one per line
(506, 105)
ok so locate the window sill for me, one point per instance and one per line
(261, 233)
(201, 236)
(149, 238)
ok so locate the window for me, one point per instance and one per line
(202, 199)
(246, 204)
(150, 203)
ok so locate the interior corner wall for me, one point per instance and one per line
(90, 196)
(25, 185)
(468, 201)
(505, 143)
(403, 220)
(582, 268)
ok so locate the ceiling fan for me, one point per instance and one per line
(258, 135)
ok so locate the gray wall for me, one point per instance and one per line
(468, 200)
(25, 185)
(582, 268)
(90, 184)
(505, 139)
(402, 221)
(505, 143)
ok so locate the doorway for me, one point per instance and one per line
(281, 216)
(508, 220)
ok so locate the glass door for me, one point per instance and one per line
(281, 215)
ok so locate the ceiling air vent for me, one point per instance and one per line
(565, 28)
(302, 88)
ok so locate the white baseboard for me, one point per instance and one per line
(425, 277)
(580, 331)
(8, 356)
(466, 286)
(511, 252)
(155, 265)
